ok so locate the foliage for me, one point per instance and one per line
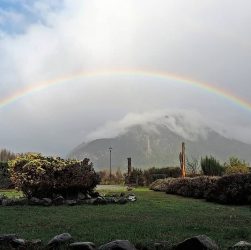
(228, 189)
(154, 217)
(161, 184)
(235, 165)
(6, 155)
(116, 178)
(136, 177)
(153, 174)
(5, 181)
(231, 189)
(196, 187)
(210, 166)
(41, 176)
(192, 166)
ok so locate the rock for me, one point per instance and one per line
(2, 197)
(71, 202)
(14, 202)
(59, 200)
(100, 201)
(118, 245)
(110, 200)
(47, 201)
(81, 196)
(200, 242)
(6, 202)
(131, 197)
(60, 239)
(35, 201)
(242, 245)
(162, 245)
(122, 194)
(88, 196)
(17, 243)
(122, 201)
(7, 238)
(90, 201)
(33, 244)
(82, 246)
(94, 194)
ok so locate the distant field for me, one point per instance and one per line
(155, 216)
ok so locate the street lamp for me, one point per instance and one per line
(110, 149)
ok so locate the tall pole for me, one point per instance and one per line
(110, 149)
(183, 161)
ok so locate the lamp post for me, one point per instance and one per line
(110, 149)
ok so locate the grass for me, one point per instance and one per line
(154, 217)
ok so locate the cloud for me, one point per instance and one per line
(207, 41)
(186, 123)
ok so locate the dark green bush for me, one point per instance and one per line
(41, 176)
(154, 174)
(231, 189)
(210, 166)
(5, 181)
(136, 178)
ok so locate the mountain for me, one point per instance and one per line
(158, 147)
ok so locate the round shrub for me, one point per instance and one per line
(41, 176)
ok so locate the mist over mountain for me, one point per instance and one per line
(157, 142)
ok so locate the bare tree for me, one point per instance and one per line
(192, 166)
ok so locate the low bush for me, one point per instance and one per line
(154, 174)
(41, 176)
(231, 189)
(161, 184)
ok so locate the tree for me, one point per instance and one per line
(192, 166)
(6, 155)
(210, 166)
(235, 165)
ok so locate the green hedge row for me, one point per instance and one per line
(228, 189)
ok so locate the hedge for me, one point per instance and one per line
(228, 189)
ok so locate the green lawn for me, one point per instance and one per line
(155, 216)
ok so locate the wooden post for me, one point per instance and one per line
(183, 161)
(129, 166)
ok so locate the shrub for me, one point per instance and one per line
(161, 184)
(234, 165)
(210, 166)
(231, 189)
(41, 176)
(5, 181)
(196, 187)
(116, 178)
(136, 177)
(154, 174)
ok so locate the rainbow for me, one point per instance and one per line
(161, 75)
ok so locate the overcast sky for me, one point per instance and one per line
(209, 41)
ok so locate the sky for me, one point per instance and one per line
(41, 41)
